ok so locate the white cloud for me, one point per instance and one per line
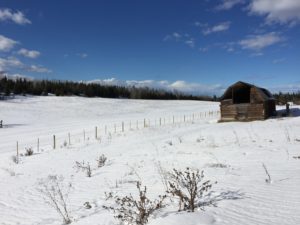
(82, 55)
(6, 44)
(16, 17)
(38, 69)
(217, 28)
(286, 88)
(229, 4)
(15, 76)
(175, 36)
(190, 42)
(182, 86)
(278, 11)
(29, 53)
(10, 62)
(279, 61)
(259, 42)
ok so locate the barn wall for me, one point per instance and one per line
(255, 96)
(270, 108)
(242, 112)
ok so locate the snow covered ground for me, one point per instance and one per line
(242, 195)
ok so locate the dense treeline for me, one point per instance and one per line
(23, 86)
(287, 97)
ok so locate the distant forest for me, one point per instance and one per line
(287, 97)
(21, 86)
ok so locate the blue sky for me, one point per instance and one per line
(189, 45)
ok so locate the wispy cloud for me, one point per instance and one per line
(6, 44)
(174, 36)
(295, 87)
(180, 85)
(29, 53)
(278, 11)
(279, 61)
(259, 42)
(82, 55)
(228, 4)
(183, 38)
(190, 42)
(38, 69)
(8, 63)
(13, 63)
(217, 28)
(15, 17)
(15, 76)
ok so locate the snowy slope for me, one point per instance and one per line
(242, 195)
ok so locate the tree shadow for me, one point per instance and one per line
(294, 112)
(12, 125)
(212, 198)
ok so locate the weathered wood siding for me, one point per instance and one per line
(243, 112)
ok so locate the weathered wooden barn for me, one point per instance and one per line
(246, 102)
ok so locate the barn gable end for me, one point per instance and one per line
(246, 102)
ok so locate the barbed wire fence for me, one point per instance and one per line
(99, 132)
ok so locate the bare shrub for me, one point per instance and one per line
(15, 159)
(217, 165)
(268, 180)
(136, 211)
(55, 194)
(84, 167)
(296, 157)
(29, 151)
(164, 176)
(101, 161)
(87, 205)
(189, 186)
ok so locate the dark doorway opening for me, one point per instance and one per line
(241, 95)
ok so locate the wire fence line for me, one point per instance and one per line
(99, 132)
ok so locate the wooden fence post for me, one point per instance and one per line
(38, 145)
(122, 126)
(69, 137)
(96, 132)
(17, 160)
(137, 124)
(144, 123)
(84, 135)
(54, 142)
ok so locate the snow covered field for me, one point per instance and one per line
(242, 195)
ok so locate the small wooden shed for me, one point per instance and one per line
(246, 102)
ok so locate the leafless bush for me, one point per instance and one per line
(217, 165)
(268, 180)
(84, 167)
(15, 159)
(101, 161)
(164, 176)
(189, 186)
(29, 151)
(55, 193)
(136, 211)
(296, 157)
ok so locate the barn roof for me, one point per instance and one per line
(264, 93)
